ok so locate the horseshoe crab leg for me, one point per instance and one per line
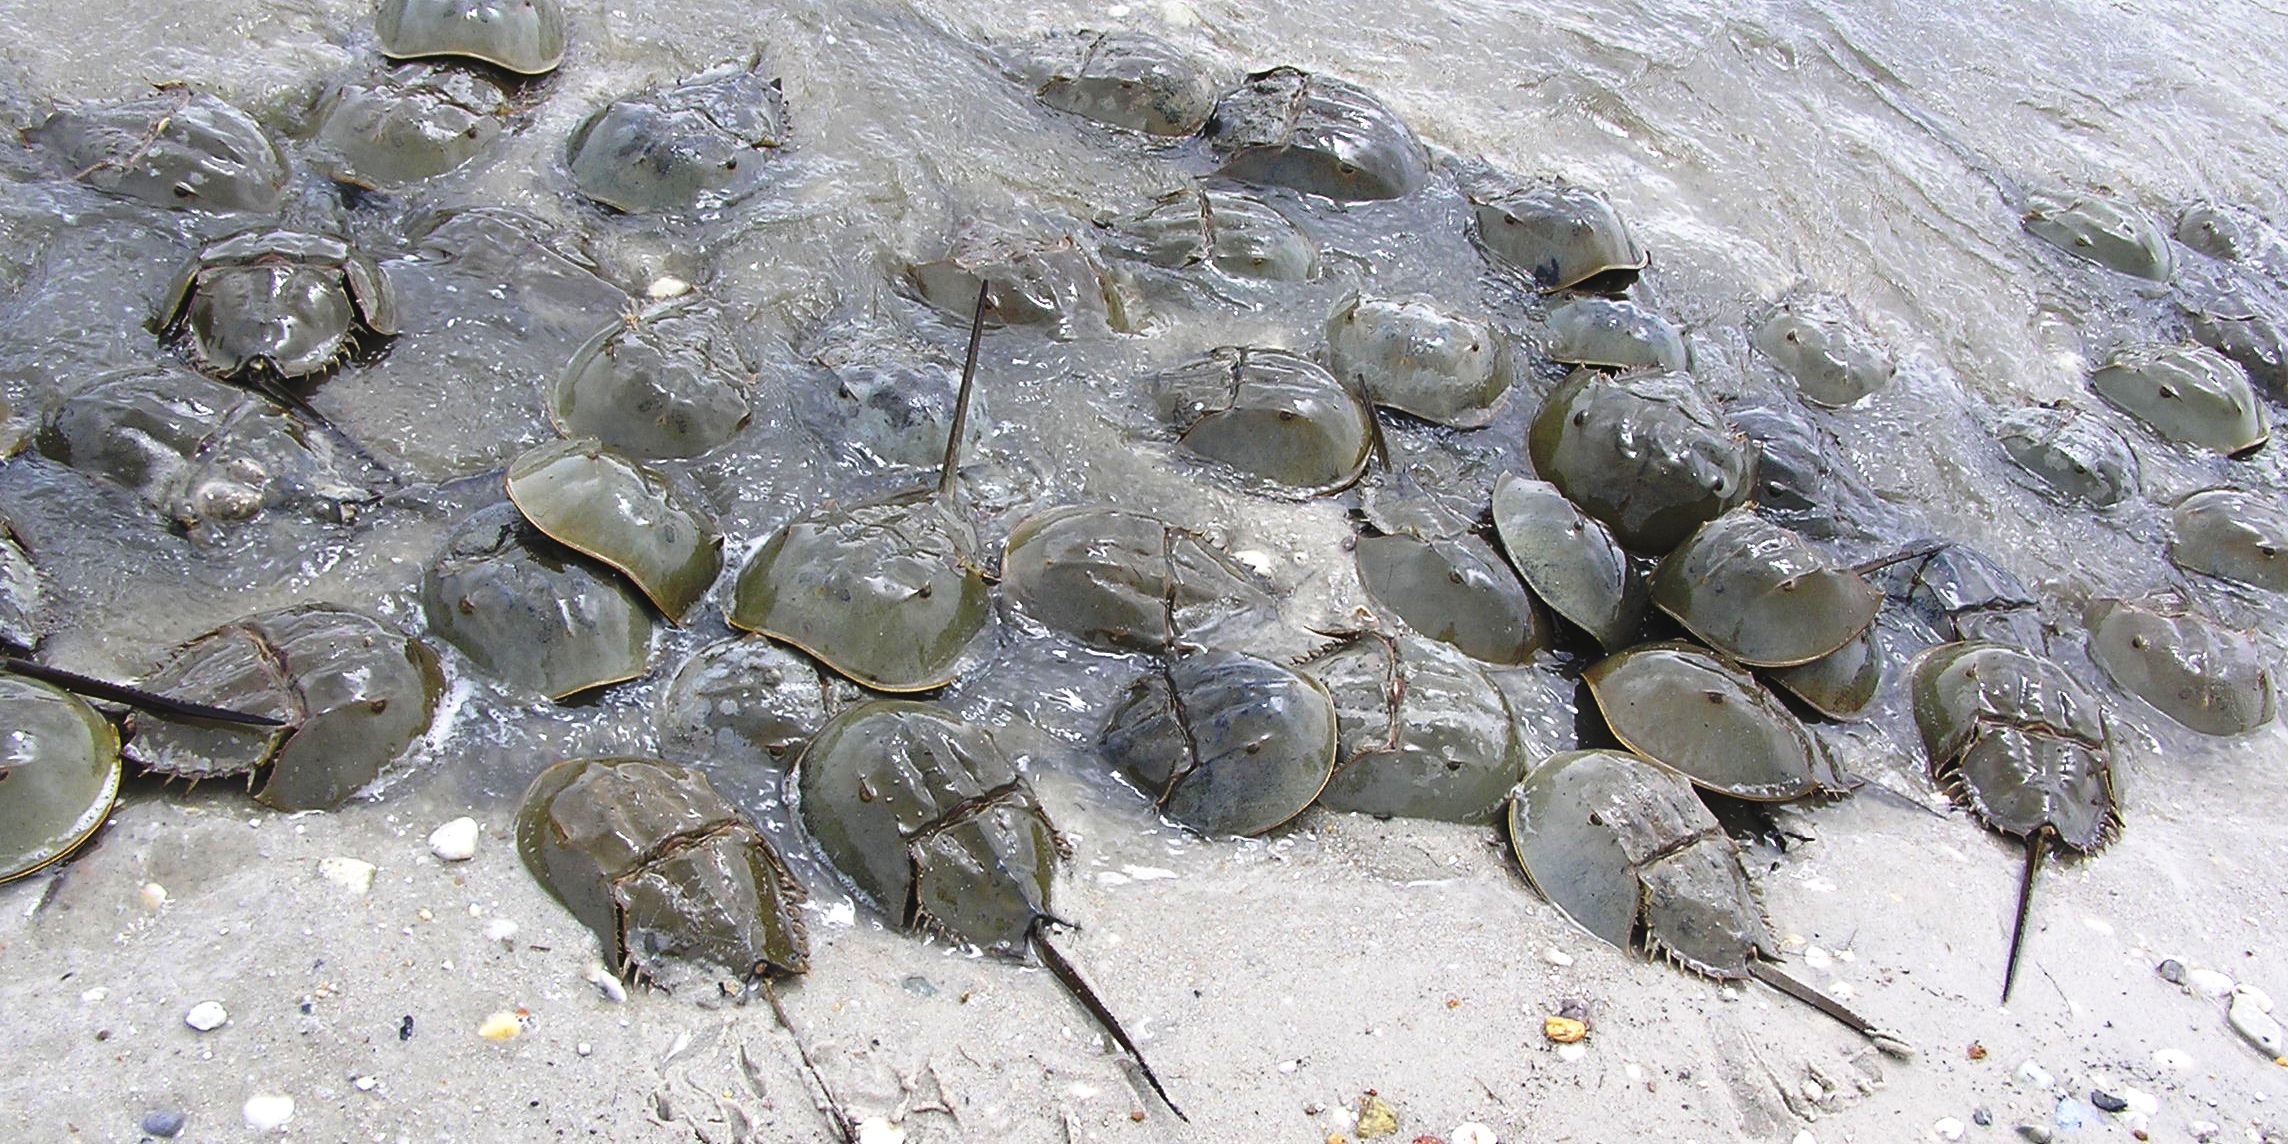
(1771, 974)
(1068, 975)
(827, 1103)
(150, 701)
(2036, 844)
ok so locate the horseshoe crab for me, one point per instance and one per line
(523, 36)
(668, 381)
(2192, 395)
(1956, 593)
(407, 123)
(59, 761)
(1711, 722)
(884, 401)
(1454, 590)
(1233, 231)
(173, 148)
(1561, 236)
(2233, 534)
(1832, 359)
(1267, 414)
(1128, 581)
(1613, 333)
(2251, 330)
(1027, 280)
(2230, 233)
(925, 816)
(1424, 732)
(2191, 669)
(19, 592)
(1805, 479)
(2108, 232)
(1414, 356)
(530, 611)
(741, 701)
(1647, 454)
(203, 453)
(349, 694)
(1626, 851)
(1290, 128)
(1224, 743)
(599, 503)
(888, 593)
(284, 301)
(693, 148)
(1839, 684)
(1125, 79)
(1569, 560)
(1757, 593)
(2072, 452)
(2018, 743)
(678, 886)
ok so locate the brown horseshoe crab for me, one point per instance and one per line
(924, 814)
(889, 592)
(2012, 737)
(285, 301)
(1626, 851)
(1223, 742)
(678, 886)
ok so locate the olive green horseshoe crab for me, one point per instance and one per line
(173, 148)
(1290, 128)
(1223, 742)
(1124, 79)
(1648, 454)
(668, 381)
(2071, 451)
(1831, 358)
(1626, 851)
(2194, 670)
(344, 692)
(59, 769)
(407, 123)
(888, 593)
(522, 36)
(2113, 234)
(923, 814)
(286, 302)
(1129, 581)
(592, 499)
(1267, 415)
(693, 148)
(1453, 589)
(1423, 731)
(1235, 233)
(1758, 593)
(1413, 355)
(678, 886)
(1570, 560)
(2014, 739)
(2233, 534)
(532, 612)
(1612, 333)
(2192, 395)
(1559, 235)
(1710, 721)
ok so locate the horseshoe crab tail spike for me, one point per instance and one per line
(961, 400)
(1069, 976)
(826, 1101)
(2035, 844)
(150, 701)
(1918, 552)
(1883, 1039)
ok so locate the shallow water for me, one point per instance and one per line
(1761, 152)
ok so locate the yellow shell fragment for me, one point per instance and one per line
(1563, 1030)
(501, 1026)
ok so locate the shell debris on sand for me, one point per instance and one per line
(456, 841)
(268, 1111)
(206, 1016)
(351, 874)
(504, 1025)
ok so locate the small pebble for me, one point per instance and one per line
(1805, 1138)
(501, 1026)
(667, 286)
(206, 1016)
(349, 873)
(1982, 1117)
(164, 1124)
(1376, 1118)
(1563, 1030)
(456, 841)
(606, 983)
(2106, 1101)
(2034, 1076)
(1557, 957)
(500, 930)
(2207, 982)
(879, 1130)
(1472, 1132)
(2037, 1133)
(364, 1083)
(268, 1112)
(583, 1048)
(1947, 1128)
(2257, 1027)
(1573, 1052)
(2171, 970)
(2138, 1100)
(1817, 958)
(2205, 1130)
(154, 896)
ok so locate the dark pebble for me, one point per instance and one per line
(405, 1028)
(2106, 1101)
(2171, 971)
(163, 1124)
(1981, 1117)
